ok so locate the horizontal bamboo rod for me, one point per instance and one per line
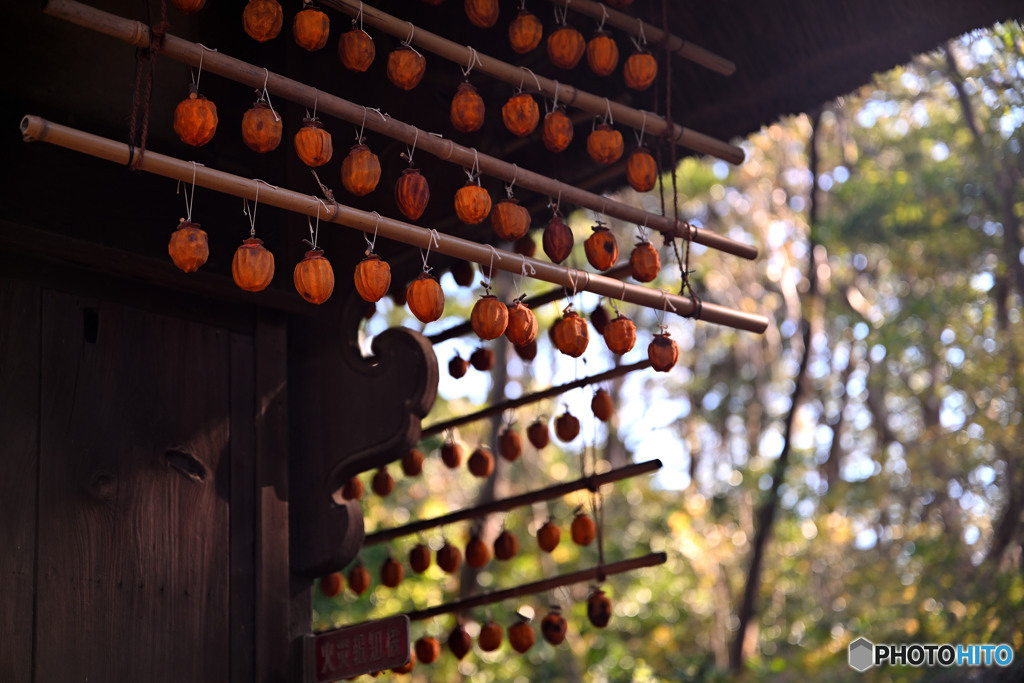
(637, 27)
(36, 128)
(519, 76)
(527, 399)
(619, 272)
(592, 483)
(136, 33)
(491, 597)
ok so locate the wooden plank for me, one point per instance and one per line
(19, 449)
(243, 511)
(133, 498)
(273, 590)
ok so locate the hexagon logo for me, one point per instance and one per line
(862, 654)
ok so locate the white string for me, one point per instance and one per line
(370, 245)
(666, 304)
(522, 276)
(643, 231)
(474, 171)
(409, 151)
(189, 196)
(608, 112)
(266, 94)
(490, 270)
(316, 100)
(535, 79)
(433, 240)
(604, 17)
(252, 214)
(508, 187)
(314, 234)
(560, 18)
(641, 39)
(408, 41)
(474, 59)
(622, 298)
(643, 127)
(202, 53)
(359, 16)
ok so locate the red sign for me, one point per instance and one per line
(361, 649)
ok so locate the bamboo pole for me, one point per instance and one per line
(592, 483)
(526, 79)
(636, 27)
(136, 33)
(619, 272)
(36, 128)
(491, 597)
(527, 399)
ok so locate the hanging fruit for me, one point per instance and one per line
(599, 319)
(599, 608)
(449, 559)
(332, 584)
(353, 489)
(383, 483)
(557, 240)
(189, 247)
(459, 642)
(356, 49)
(311, 28)
(522, 324)
(478, 554)
(314, 277)
(425, 298)
(604, 144)
(567, 426)
(372, 278)
(462, 273)
(195, 119)
(663, 352)
(412, 463)
(358, 579)
(490, 636)
(641, 170)
(483, 13)
(408, 666)
(406, 67)
(261, 128)
(601, 248)
(571, 335)
(262, 19)
(451, 454)
(510, 445)
(583, 529)
(412, 193)
(565, 47)
(428, 649)
(525, 246)
(557, 131)
(252, 267)
(189, 6)
(419, 558)
(548, 536)
(510, 220)
(602, 405)
(640, 70)
(489, 317)
(360, 171)
(525, 32)
(553, 626)
(526, 352)
(520, 635)
(472, 203)
(457, 366)
(391, 572)
(644, 262)
(521, 114)
(538, 434)
(506, 545)
(481, 463)
(313, 143)
(620, 335)
(602, 53)
(467, 110)
(482, 359)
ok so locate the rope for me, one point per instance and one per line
(140, 110)
(432, 240)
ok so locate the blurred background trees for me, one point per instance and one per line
(896, 510)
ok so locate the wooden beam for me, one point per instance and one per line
(527, 399)
(636, 27)
(593, 482)
(136, 33)
(530, 82)
(489, 598)
(36, 128)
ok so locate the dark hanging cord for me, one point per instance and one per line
(145, 61)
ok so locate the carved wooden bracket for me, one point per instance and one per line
(349, 413)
